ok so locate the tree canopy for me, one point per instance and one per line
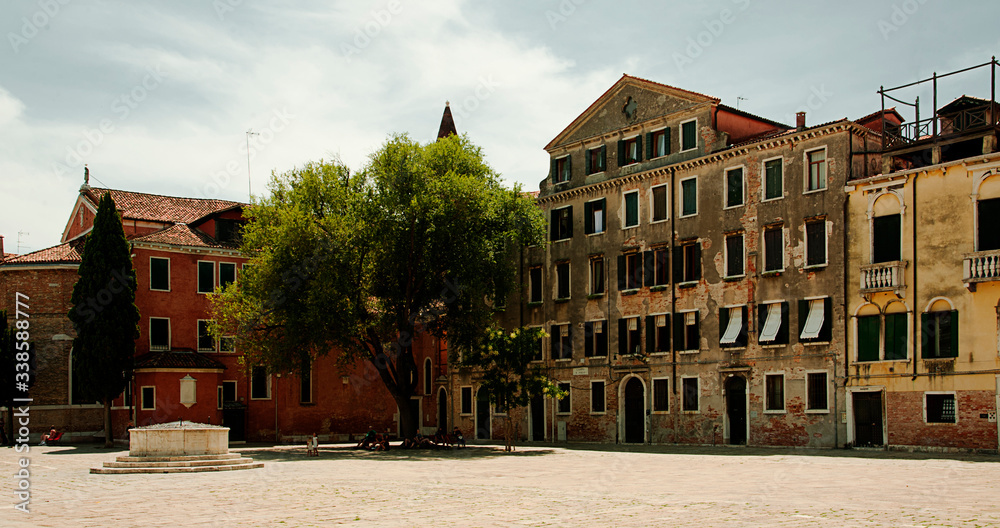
(422, 239)
(104, 313)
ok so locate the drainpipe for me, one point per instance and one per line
(913, 331)
(673, 305)
(274, 396)
(847, 320)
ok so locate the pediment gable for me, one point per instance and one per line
(628, 102)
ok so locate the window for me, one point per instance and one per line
(148, 398)
(206, 276)
(305, 383)
(774, 242)
(227, 273)
(159, 333)
(656, 263)
(773, 179)
(596, 159)
(940, 334)
(596, 397)
(561, 169)
(690, 394)
(940, 408)
(815, 320)
(816, 161)
(687, 262)
(661, 395)
(227, 230)
(734, 187)
(428, 376)
(689, 135)
(658, 333)
(562, 223)
(159, 274)
(630, 151)
(228, 391)
(593, 217)
(227, 343)
(631, 199)
(896, 330)
(816, 391)
(774, 394)
(596, 275)
(562, 342)
(595, 339)
(565, 404)
(689, 196)
(988, 218)
(562, 280)
(538, 349)
(772, 319)
(658, 196)
(734, 255)
(466, 400)
(868, 337)
(205, 341)
(630, 271)
(686, 332)
(629, 336)
(535, 284)
(260, 384)
(816, 242)
(659, 143)
(886, 238)
(733, 327)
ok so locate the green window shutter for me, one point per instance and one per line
(569, 222)
(741, 339)
(554, 171)
(723, 323)
(631, 209)
(690, 196)
(569, 168)
(602, 160)
(803, 313)
(650, 334)
(696, 265)
(895, 336)
(588, 339)
(621, 153)
(588, 218)
(638, 148)
(587, 163)
(927, 335)
(622, 274)
(666, 140)
(651, 148)
(622, 337)
(868, 327)
(826, 333)
(954, 334)
(648, 267)
(783, 331)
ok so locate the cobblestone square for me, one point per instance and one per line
(536, 486)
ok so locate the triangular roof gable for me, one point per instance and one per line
(81, 202)
(577, 129)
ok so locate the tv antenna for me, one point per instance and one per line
(250, 132)
(20, 234)
(738, 99)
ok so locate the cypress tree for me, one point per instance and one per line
(104, 313)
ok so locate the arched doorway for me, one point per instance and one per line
(482, 415)
(736, 409)
(442, 409)
(635, 411)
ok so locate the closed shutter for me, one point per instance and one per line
(666, 141)
(587, 162)
(554, 171)
(868, 327)
(953, 351)
(896, 330)
(569, 221)
(568, 169)
(650, 334)
(622, 337)
(928, 335)
(622, 161)
(588, 339)
(723, 324)
(650, 146)
(649, 268)
(662, 266)
(622, 274)
(588, 218)
(638, 148)
(678, 264)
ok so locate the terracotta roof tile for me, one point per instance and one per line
(175, 359)
(68, 253)
(159, 208)
(182, 235)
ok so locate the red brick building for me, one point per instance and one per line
(182, 250)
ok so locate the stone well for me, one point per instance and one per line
(178, 439)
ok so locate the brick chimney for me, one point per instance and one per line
(800, 120)
(1, 248)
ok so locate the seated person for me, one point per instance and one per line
(441, 438)
(457, 437)
(52, 434)
(368, 439)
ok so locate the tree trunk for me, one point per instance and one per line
(407, 419)
(109, 440)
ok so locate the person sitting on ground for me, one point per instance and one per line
(53, 433)
(368, 439)
(457, 437)
(382, 444)
(441, 438)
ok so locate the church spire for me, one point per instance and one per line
(447, 127)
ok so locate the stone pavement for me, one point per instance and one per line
(608, 486)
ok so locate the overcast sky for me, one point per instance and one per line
(158, 97)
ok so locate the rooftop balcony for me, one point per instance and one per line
(884, 276)
(981, 266)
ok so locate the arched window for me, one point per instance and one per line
(988, 214)
(886, 229)
(939, 330)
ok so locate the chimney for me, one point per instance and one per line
(800, 120)
(1, 248)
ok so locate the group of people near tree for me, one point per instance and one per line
(375, 441)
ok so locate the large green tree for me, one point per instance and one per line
(420, 240)
(504, 360)
(104, 313)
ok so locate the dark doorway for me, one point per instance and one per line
(736, 409)
(635, 415)
(234, 416)
(482, 415)
(443, 409)
(868, 419)
(538, 418)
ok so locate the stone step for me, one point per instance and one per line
(178, 458)
(189, 469)
(177, 463)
